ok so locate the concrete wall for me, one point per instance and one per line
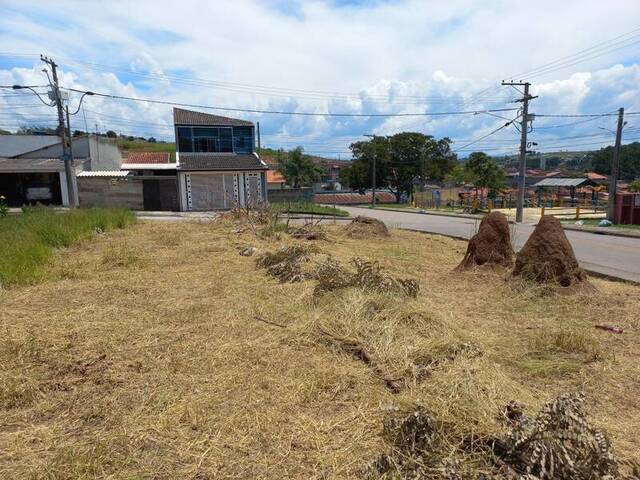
(80, 147)
(104, 154)
(291, 195)
(111, 192)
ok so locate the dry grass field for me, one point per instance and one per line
(159, 352)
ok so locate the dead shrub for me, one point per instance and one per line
(331, 275)
(558, 443)
(285, 264)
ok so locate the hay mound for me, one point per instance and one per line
(366, 227)
(332, 275)
(491, 245)
(547, 257)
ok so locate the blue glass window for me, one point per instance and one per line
(225, 140)
(243, 139)
(185, 142)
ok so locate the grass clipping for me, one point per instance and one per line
(558, 443)
(369, 276)
(287, 265)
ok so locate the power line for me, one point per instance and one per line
(487, 135)
(279, 91)
(279, 112)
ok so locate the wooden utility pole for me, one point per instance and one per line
(66, 140)
(259, 143)
(615, 168)
(373, 173)
(522, 170)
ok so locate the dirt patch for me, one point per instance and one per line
(366, 227)
(548, 257)
(491, 245)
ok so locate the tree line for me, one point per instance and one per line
(401, 161)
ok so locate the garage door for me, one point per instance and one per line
(207, 192)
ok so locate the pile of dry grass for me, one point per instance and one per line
(332, 275)
(558, 443)
(285, 263)
(308, 232)
(366, 227)
(188, 365)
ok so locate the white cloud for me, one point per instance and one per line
(400, 56)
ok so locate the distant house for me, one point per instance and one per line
(31, 170)
(331, 168)
(216, 161)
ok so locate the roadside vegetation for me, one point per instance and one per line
(307, 208)
(193, 350)
(27, 241)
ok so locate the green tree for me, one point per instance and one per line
(458, 175)
(484, 172)
(629, 160)
(635, 185)
(401, 160)
(297, 168)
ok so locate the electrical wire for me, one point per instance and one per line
(279, 112)
(493, 132)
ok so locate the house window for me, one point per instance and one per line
(205, 139)
(225, 142)
(215, 139)
(243, 139)
(185, 142)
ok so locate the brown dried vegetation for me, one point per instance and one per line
(158, 367)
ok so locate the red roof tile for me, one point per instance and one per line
(146, 157)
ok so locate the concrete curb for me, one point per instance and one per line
(438, 214)
(602, 231)
(596, 230)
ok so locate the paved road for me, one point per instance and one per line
(605, 254)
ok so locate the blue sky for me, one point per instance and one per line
(358, 57)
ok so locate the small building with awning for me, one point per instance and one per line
(566, 186)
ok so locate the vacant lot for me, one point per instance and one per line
(159, 352)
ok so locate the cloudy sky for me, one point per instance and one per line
(340, 56)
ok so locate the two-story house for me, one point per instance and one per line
(216, 161)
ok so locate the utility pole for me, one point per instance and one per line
(66, 109)
(615, 168)
(373, 174)
(66, 142)
(523, 146)
(259, 145)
